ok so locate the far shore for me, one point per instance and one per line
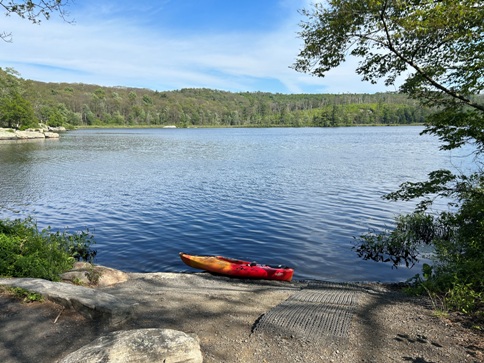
(87, 127)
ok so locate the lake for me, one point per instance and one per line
(293, 196)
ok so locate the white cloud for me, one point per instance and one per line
(115, 52)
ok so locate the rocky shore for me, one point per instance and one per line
(112, 316)
(29, 134)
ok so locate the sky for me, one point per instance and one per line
(164, 45)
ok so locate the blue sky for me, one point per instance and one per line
(231, 45)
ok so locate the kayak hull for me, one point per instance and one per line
(237, 268)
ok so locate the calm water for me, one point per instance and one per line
(290, 196)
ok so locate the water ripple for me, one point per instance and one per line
(290, 196)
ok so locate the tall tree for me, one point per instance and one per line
(15, 110)
(437, 47)
(442, 59)
(33, 11)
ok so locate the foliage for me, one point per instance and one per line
(441, 57)
(91, 105)
(401, 245)
(24, 295)
(441, 61)
(33, 11)
(457, 239)
(15, 110)
(27, 252)
(93, 276)
(458, 249)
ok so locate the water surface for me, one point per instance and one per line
(285, 196)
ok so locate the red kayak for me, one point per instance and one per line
(237, 268)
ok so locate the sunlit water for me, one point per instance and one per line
(285, 196)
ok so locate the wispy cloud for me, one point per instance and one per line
(108, 47)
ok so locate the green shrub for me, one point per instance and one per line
(456, 238)
(27, 252)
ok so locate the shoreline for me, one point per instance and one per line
(8, 134)
(237, 321)
(129, 127)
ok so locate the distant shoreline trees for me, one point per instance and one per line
(82, 105)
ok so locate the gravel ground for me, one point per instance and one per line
(386, 325)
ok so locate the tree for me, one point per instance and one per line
(15, 110)
(392, 37)
(57, 115)
(33, 11)
(442, 61)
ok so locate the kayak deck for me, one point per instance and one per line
(237, 268)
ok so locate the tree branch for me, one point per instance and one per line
(419, 70)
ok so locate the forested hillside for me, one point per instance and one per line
(63, 104)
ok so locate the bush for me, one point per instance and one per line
(27, 252)
(456, 239)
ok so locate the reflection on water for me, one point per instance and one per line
(289, 196)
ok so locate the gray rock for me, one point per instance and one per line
(140, 346)
(29, 134)
(7, 134)
(91, 303)
(11, 134)
(89, 274)
(51, 135)
(56, 128)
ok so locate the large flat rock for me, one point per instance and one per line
(89, 302)
(11, 134)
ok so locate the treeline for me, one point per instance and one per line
(64, 104)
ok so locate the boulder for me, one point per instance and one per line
(51, 135)
(56, 128)
(11, 134)
(29, 134)
(140, 346)
(85, 273)
(7, 134)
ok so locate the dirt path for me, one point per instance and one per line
(239, 321)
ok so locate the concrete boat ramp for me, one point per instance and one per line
(224, 313)
(309, 310)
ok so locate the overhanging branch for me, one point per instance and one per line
(419, 70)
